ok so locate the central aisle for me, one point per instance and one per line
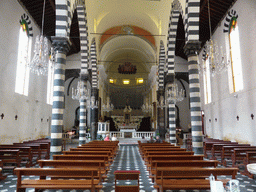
(128, 158)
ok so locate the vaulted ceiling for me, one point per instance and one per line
(149, 15)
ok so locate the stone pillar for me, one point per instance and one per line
(61, 46)
(171, 111)
(94, 115)
(191, 49)
(83, 124)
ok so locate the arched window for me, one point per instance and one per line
(235, 55)
(24, 52)
(207, 82)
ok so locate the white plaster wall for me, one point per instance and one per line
(29, 109)
(70, 106)
(225, 107)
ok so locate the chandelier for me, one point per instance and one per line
(108, 107)
(39, 63)
(81, 92)
(92, 103)
(146, 108)
(173, 94)
(161, 104)
(216, 56)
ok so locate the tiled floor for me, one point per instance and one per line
(128, 158)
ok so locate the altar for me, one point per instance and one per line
(128, 130)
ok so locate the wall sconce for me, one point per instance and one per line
(252, 116)
(16, 117)
(237, 118)
(2, 116)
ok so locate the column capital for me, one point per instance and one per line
(192, 47)
(61, 44)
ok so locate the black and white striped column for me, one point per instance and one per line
(82, 24)
(193, 11)
(195, 104)
(95, 90)
(161, 66)
(61, 28)
(61, 46)
(82, 123)
(173, 25)
(160, 92)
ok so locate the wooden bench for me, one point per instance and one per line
(110, 156)
(164, 148)
(112, 148)
(208, 146)
(10, 157)
(250, 158)
(151, 158)
(239, 154)
(91, 184)
(157, 153)
(127, 175)
(189, 178)
(44, 146)
(2, 176)
(83, 157)
(217, 148)
(98, 164)
(227, 152)
(25, 153)
(35, 150)
(179, 163)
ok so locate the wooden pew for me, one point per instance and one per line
(98, 164)
(160, 150)
(2, 176)
(227, 152)
(45, 145)
(250, 158)
(25, 153)
(83, 157)
(157, 153)
(217, 148)
(208, 145)
(10, 157)
(112, 148)
(151, 158)
(110, 156)
(239, 154)
(127, 175)
(189, 178)
(180, 163)
(35, 150)
(91, 184)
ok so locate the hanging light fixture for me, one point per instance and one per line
(161, 104)
(92, 103)
(173, 94)
(217, 58)
(108, 107)
(81, 92)
(146, 108)
(39, 63)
